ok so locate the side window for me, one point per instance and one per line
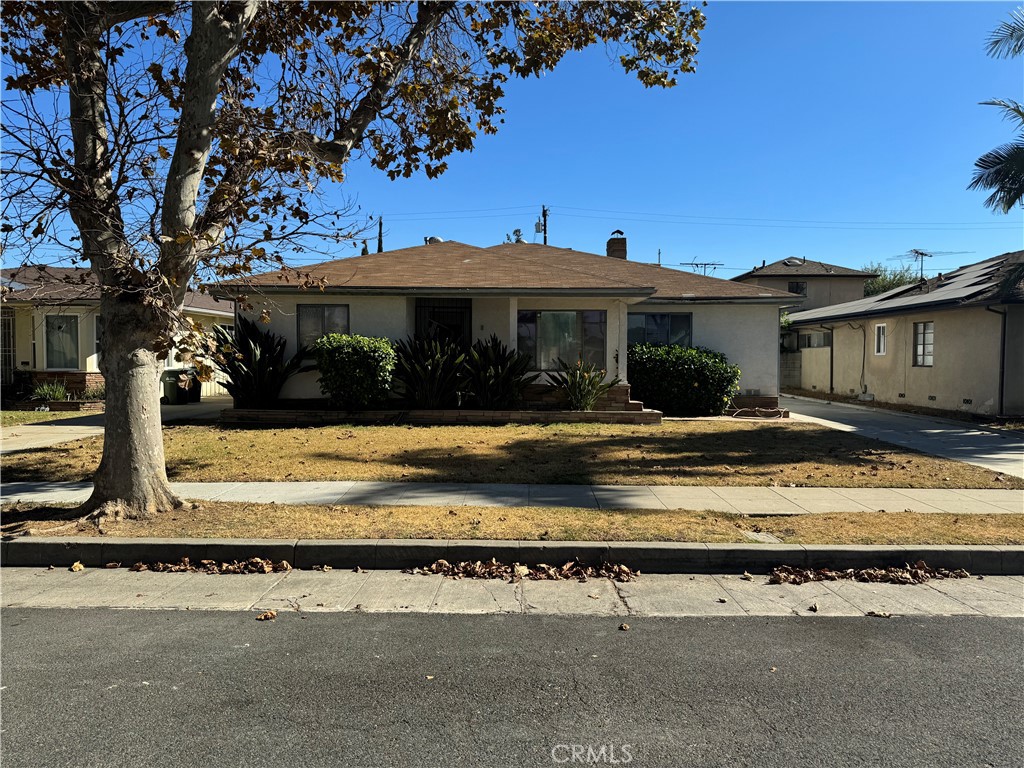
(798, 287)
(316, 320)
(924, 344)
(880, 339)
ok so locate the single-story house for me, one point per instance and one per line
(819, 283)
(545, 301)
(954, 342)
(51, 328)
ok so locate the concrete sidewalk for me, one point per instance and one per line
(396, 592)
(998, 450)
(737, 500)
(24, 437)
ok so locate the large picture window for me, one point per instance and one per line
(570, 335)
(316, 320)
(660, 328)
(924, 344)
(62, 342)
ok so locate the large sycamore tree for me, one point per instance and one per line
(160, 142)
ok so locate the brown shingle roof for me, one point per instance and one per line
(794, 267)
(509, 268)
(54, 286)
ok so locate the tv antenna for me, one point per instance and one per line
(703, 266)
(919, 255)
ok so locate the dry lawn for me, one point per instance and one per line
(13, 418)
(714, 452)
(275, 521)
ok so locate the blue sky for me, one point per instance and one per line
(844, 132)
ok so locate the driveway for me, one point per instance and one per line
(25, 437)
(1000, 451)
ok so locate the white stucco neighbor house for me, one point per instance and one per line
(954, 342)
(545, 301)
(51, 328)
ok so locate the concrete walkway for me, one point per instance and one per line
(396, 592)
(23, 437)
(998, 450)
(738, 500)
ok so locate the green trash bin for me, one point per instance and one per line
(174, 394)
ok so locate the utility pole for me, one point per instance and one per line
(544, 219)
(380, 234)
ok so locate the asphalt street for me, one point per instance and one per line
(96, 687)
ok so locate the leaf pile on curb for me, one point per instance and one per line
(918, 573)
(252, 565)
(492, 569)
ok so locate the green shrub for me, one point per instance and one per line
(682, 381)
(50, 390)
(496, 376)
(253, 360)
(583, 383)
(429, 372)
(355, 371)
(94, 392)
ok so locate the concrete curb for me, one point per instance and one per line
(647, 556)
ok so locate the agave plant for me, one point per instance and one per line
(254, 361)
(583, 383)
(496, 376)
(429, 371)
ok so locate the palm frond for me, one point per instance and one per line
(1012, 110)
(1001, 170)
(1007, 40)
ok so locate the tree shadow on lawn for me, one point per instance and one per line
(649, 459)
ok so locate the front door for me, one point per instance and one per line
(446, 318)
(7, 351)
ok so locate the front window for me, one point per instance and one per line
(924, 340)
(317, 320)
(814, 340)
(62, 341)
(570, 335)
(799, 288)
(659, 328)
(880, 339)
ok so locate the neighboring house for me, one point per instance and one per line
(821, 284)
(955, 342)
(547, 302)
(50, 325)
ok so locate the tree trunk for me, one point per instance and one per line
(131, 481)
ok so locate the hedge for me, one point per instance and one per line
(355, 371)
(682, 381)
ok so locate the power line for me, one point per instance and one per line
(790, 221)
(796, 226)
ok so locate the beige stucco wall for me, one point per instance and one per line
(821, 291)
(747, 334)
(966, 361)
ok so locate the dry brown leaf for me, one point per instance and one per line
(77, 566)
(746, 577)
(813, 608)
(918, 573)
(516, 572)
(879, 614)
(112, 565)
(624, 627)
(267, 616)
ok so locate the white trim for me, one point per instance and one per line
(883, 338)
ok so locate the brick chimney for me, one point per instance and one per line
(616, 247)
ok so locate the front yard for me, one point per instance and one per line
(272, 521)
(713, 452)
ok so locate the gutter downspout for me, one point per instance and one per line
(831, 358)
(1002, 354)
